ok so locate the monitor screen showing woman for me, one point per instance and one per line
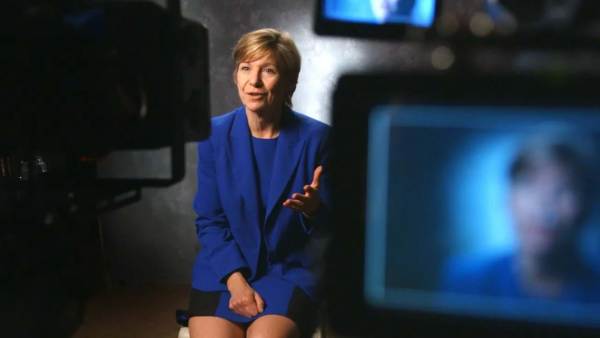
(485, 211)
(418, 13)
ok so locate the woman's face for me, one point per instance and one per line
(546, 205)
(260, 85)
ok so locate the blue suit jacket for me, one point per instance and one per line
(497, 277)
(228, 224)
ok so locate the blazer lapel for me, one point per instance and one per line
(244, 173)
(287, 156)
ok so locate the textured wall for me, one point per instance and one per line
(154, 240)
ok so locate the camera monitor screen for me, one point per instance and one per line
(418, 13)
(551, 23)
(390, 19)
(465, 206)
(484, 211)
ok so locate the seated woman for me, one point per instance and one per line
(551, 191)
(262, 197)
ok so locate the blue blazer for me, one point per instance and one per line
(228, 224)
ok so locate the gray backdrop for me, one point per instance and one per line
(154, 240)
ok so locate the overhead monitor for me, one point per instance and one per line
(550, 23)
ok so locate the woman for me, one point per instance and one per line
(262, 196)
(550, 197)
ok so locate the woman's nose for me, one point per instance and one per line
(549, 218)
(547, 211)
(255, 79)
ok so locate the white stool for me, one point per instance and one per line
(183, 332)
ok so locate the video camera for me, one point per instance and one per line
(444, 179)
(85, 80)
(90, 78)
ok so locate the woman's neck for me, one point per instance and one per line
(546, 276)
(264, 124)
(538, 279)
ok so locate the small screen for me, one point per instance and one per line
(418, 13)
(485, 211)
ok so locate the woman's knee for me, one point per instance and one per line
(273, 326)
(214, 327)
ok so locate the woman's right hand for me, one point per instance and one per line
(244, 299)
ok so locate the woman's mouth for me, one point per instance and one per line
(256, 96)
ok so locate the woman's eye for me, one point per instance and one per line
(244, 68)
(270, 71)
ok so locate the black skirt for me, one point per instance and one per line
(298, 307)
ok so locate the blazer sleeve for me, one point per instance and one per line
(212, 226)
(322, 217)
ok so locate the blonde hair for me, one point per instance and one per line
(269, 41)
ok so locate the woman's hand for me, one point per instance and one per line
(309, 202)
(244, 299)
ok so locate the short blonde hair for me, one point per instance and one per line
(269, 41)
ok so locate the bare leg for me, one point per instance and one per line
(273, 326)
(214, 327)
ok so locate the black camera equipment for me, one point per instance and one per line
(84, 79)
(392, 229)
(499, 68)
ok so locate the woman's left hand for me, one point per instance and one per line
(309, 202)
